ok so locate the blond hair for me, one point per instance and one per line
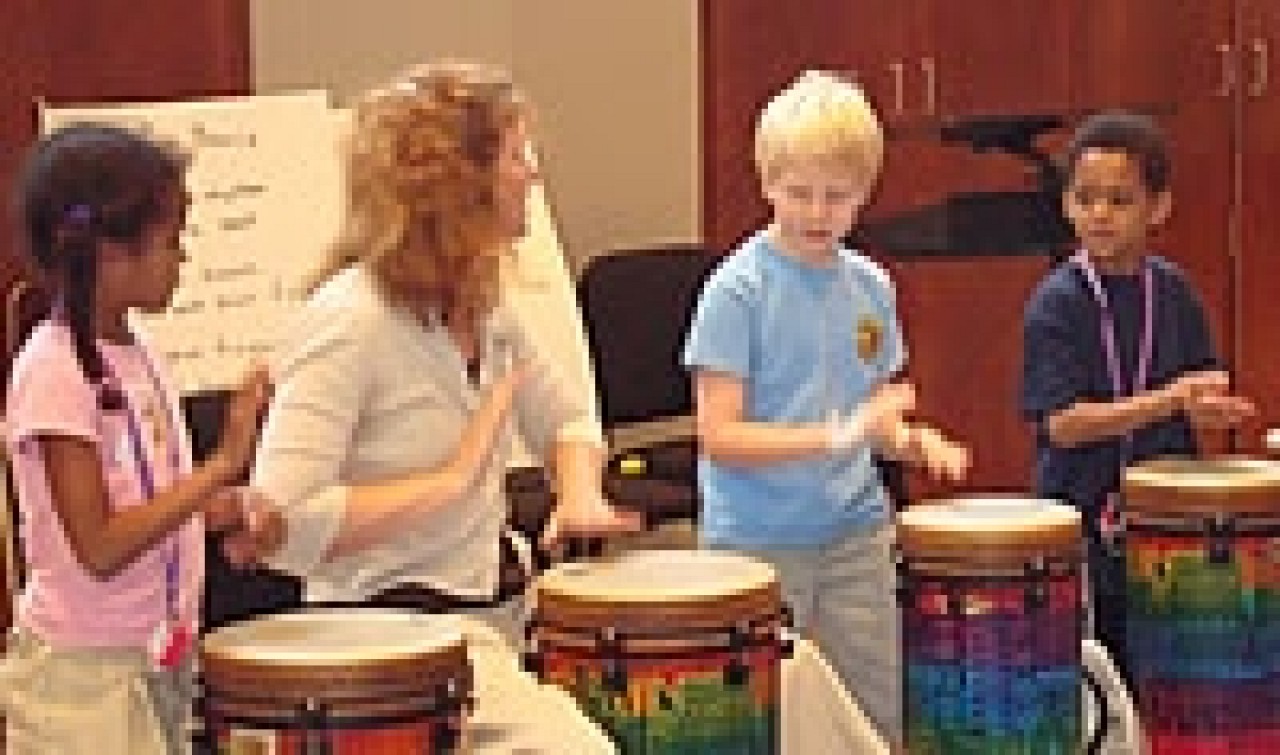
(821, 117)
(420, 182)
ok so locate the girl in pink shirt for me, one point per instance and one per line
(110, 505)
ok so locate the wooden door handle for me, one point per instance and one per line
(1261, 50)
(1227, 80)
(929, 67)
(899, 72)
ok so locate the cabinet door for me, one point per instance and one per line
(963, 321)
(1258, 289)
(1150, 54)
(997, 57)
(25, 65)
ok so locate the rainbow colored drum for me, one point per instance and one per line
(671, 652)
(1202, 542)
(991, 609)
(355, 682)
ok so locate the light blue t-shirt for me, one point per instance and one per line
(806, 341)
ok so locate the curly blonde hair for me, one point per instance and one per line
(421, 171)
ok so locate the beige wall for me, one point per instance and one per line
(615, 83)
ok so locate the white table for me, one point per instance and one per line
(517, 715)
(818, 713)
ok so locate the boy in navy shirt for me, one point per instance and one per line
(1118, 362)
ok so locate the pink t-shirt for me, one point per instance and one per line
(62, 603)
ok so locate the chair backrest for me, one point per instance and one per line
(636, 307)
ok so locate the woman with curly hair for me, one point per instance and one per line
(396, 409)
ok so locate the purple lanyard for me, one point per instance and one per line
(1146, 346)
(146, 476)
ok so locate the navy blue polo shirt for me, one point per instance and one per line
(1064, 362)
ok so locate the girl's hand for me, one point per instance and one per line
(240, 426)
(260, 533)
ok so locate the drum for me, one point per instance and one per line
(991, 616)
(1272, 440)
(1202, 542)
(352, 682)
(669, 651)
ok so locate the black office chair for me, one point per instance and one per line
(637, 305)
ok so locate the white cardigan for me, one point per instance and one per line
(367, 393)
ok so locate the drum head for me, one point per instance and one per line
(312, 654)
(1210, 486)
(657, 588)
(989, 529)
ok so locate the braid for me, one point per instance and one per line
(79, 279)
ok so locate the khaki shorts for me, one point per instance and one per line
(91, 701)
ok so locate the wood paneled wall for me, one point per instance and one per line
(1207, 70)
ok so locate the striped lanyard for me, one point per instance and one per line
(1146, 346)
(146, 474)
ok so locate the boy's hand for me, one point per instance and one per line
(1187, 388)
(944, 459)
(1205, 395)
(1212, 412)
(878, 419)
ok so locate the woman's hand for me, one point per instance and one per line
(590, 516)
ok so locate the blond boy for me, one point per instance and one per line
(793, 347)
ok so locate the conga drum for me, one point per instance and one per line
(668, 651)
(1202, 541)
(990, 593)
(353, 682)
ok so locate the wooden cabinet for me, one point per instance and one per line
(998, 56)
(923, 63)
(1206, 69)
(1257, 210)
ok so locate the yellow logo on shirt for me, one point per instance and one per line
(868, 338)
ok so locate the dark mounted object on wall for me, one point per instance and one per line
(976, 223)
